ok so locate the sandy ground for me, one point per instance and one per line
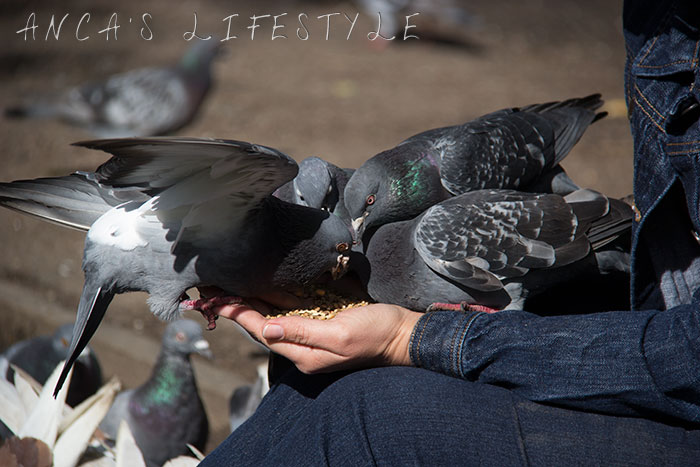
(340, 99)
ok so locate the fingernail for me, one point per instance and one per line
(273, 331)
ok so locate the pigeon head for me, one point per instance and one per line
(201, 54)
(394, 185)
(320, 244)
(313, 186)
(184, 336)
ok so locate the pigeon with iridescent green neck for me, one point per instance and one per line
(165, 414)
(142, 102)
(515, 148)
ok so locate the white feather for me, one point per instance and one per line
(12, 411)
(128, 453)
(74, 440)
(119, 228)
(42, 422)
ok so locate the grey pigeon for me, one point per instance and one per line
(142, 102)
(40, 355)
(490, 248)
(198, 212)
(507, 149)
(165, 413)
(319, 184)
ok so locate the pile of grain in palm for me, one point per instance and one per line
(325, 305)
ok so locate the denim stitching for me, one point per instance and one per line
(656, 124)
(463, 338)
(639, 91)
(677, 62)
(417, 352)
(453, 364)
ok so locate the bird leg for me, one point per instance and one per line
(206, 305)
(463, 306)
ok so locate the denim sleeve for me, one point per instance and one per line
(631, 363)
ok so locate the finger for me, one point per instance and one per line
(322, 334)
(309, 359)
(248, 318)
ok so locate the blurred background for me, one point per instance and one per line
(341, 99)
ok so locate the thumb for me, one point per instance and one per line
(298, 330)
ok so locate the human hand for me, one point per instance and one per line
(372, 335)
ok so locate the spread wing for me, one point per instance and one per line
(481, 238)
(203, 188)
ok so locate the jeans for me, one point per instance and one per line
(409, 416)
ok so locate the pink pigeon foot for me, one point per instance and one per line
(206, 305)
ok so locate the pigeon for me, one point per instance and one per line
(507, 149)
(166, 412)
(198, 213)
(490, 250)
(142, 102)
(39, 356)
(245, 399)
(393, 16)
(319, 184)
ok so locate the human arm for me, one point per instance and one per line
(638, 363)
(643, 363)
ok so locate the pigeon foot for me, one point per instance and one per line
(463, 306)
(206, 306)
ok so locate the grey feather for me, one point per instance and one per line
(319, 184)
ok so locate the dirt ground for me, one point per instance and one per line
(339, 99)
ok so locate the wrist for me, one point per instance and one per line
(398, 350)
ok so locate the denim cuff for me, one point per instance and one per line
(438, 338)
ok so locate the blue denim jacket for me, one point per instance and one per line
(644, 362)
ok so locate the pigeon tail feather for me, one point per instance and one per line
(73, 201)
(91, 309)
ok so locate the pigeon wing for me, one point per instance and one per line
(203, 187)
(482, 238)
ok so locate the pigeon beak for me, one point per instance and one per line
(341, 267)
(202, 348)
(358, 226)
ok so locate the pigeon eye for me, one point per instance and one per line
(180, 337)
(342, 247)
(370, 199)
(64, 342)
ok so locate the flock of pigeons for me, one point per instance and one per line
(474, 216)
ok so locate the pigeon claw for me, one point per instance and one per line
(206, 305)
(463, 306)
